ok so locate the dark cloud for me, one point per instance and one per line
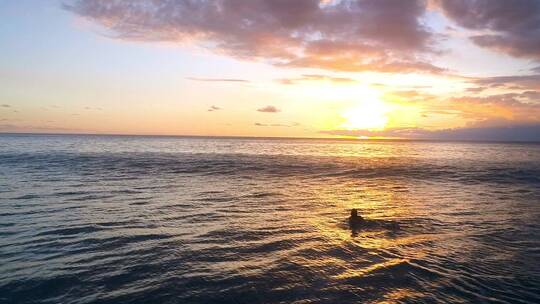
(345, 35)
(529, 133)
(213, 108)
(475, 89)
(5, 106)
(217, 79)
(533, 96)
(509, 26)
(522, 82)
(269, 109)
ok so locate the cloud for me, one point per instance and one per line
(213, 108)
(411, 94)
(475, 89)
(522, 81)
(217, 79)
(473, 108)
(530, 133)
(315, 77)
(494, 110)
(345, 35)
(5, 106)
(511, 27)
(353, 63)
(269, 109)
(258, 124)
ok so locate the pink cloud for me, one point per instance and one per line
(375, 35)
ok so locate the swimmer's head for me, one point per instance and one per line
(355, 216)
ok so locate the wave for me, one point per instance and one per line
(106, 226)
(111, 167)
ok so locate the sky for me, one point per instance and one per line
(433, 69)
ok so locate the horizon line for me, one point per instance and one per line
(342, 138)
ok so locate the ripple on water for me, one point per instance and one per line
(251, 221)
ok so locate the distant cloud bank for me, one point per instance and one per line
(528, 133)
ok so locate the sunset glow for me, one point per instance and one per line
(369, 114)
(308, 68)
(269, 151)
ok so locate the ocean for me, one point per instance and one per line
(141, 219)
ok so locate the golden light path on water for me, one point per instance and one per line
(373, 202)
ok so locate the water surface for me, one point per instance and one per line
(119, 219)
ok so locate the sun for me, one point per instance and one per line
(369, 114)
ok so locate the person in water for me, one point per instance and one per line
(355, 219)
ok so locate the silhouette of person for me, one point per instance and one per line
(355, 219)
(357, 222)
